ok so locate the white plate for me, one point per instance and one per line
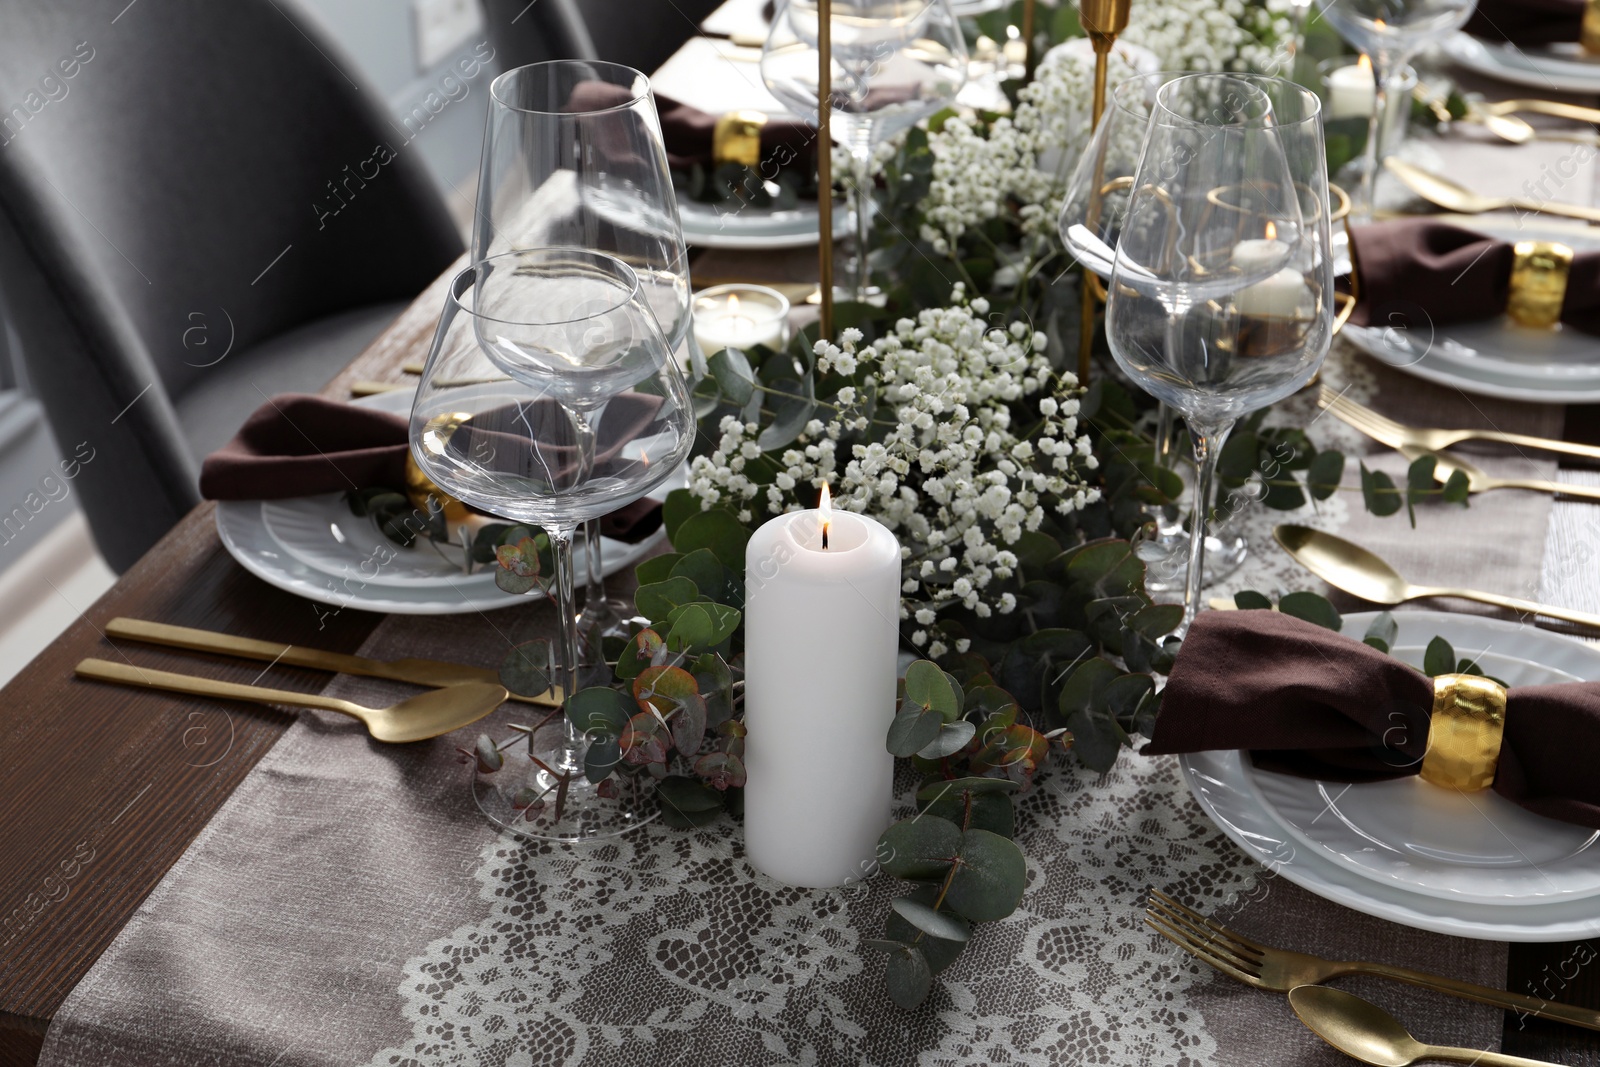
(1228, 788)
(346, 576)
(1496, 357)
(1442, 843)
(1552, 67)
(321, 532)
(755, 228)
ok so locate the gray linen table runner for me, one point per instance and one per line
(348, 905)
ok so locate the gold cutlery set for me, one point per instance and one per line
(460, 695)
(1356, 571)
(1352, 1025)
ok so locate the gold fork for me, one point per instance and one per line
(1280, 970)
(1371, 423)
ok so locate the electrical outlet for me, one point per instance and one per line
(442, 26)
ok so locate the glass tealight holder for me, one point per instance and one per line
(740, 316)
(1347, 99)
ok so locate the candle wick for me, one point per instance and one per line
(824, 535)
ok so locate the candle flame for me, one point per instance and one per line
(1365, 63)
(733, 303)
(825, 508)
(1272, 230)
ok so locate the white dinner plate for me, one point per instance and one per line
(708, 226)
(367, 571)
(1495, 357)
(1558, 67)
(1255, 809)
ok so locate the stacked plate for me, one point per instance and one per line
(316, 548)
(1494, 357)
(1474, 865)
(1551, 67)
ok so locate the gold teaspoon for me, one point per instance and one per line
(1366, 1032)
(1350, 567)
(417, 718)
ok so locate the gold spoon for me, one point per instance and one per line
(1358, 572)
(1452, 197)
(1366, 1032)
(418, 718)
(1543, 107)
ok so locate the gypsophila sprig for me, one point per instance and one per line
(972, 439)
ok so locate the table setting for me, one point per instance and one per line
(1093, 566)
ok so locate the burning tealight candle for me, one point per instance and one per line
(822, 609)
(1278, 296)
(1351, 90)
(740, 316)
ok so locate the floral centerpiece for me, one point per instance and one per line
(1016, 493)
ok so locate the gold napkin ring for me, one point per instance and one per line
(1589, 37)
(737, 138)
(1464, 734)
(1539, 272)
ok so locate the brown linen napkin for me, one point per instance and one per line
(300, 445)
(1311, 702)
(688, 131)
(1453, 274)
(1527, 22)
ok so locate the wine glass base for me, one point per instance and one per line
(1167, 573)
(586, 814)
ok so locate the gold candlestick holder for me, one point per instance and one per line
(1103, 21)
(1029, 32)
(825, 162)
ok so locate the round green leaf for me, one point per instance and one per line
(919, 848)
(951, 738)
(655, 602)
(933, 923)
(909, 978)
(603, 756)
(913, 728)
(1250, 600)
(940, 953)
(600, 709)
(718, 531)
(526, 669)
(933, 790)
(990, 879)
(930, 687)
(1312, 608)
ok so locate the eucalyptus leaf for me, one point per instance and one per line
(936, 789)
(1250, 600)
(1312, 608)
(679, 506)
(655, 602)
(909, 978)
(717, 530)
(1325, 474)
(1439, 658)
(603, 756)
(913, 728)
(704, 569)
(920, 848)
(721, 621)
(1379, 492)
(730, 369)
(600, 709)
(990, 878)
(1381, 634)
(1457, 488)
(525, 671)
(952, 738)
(932, 688)
(938, 924)
(985, 811)
(656, 568)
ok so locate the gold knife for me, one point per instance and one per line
(424, 672)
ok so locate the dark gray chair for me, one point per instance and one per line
(641, 34)
(200, 206)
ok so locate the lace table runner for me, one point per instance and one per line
(348, 905)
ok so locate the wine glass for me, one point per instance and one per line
(895, 62)
(1092, 214)
(551, 397)
(573, 157)
(1221, 294)
(1391, 33)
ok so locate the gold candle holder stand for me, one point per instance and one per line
(1103, 21)
(825, 162)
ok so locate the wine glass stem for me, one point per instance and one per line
(594, 590)
(1208, 441)
(861, 182)
(1367, 201)
(1164, 427)
(570, 756)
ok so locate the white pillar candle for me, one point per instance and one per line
(1352, 92)
(740, 316)
(1262, 253)
(821, 641)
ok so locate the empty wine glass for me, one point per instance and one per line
(1221, 294)
(895, 62)
(550, 397)
(1092, 214)
(573, 157)
(1390, 32)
